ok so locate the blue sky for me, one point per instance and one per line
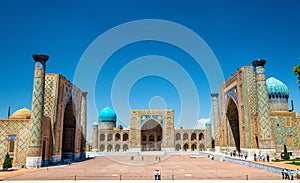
(237, 32)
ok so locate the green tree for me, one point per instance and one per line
(7, 162)
(286, 155)
(297, 72)
(213, 143)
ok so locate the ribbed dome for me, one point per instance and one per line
(276, 88)
(208, 123)
(107, 115)
(21, 114)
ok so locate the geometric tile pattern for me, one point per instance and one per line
(216, 115)
(20, 128)
(37, 113)
(259, 126)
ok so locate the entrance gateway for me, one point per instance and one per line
(152, 130)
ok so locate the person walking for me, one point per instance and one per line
(155, 174)
(158, 175)
(282, 173)
(287, 176)
(293, 174)
(297, 174)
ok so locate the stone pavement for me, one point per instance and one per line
(177, 167)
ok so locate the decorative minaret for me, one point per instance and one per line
(266, 140)
(83, 124)
(34, 153)
(95, 137)
(208, 137)
(216, 113)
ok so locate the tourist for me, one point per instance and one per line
(268, 158)
(293, 174)
(282, 173)
(297, 174)
(155, 174)
(254, 156)
(142, 158)
(159, 158)
(158, 175)
(286, 172)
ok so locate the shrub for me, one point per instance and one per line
(286, 154)
(7, 162)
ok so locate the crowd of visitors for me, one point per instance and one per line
(290, 174)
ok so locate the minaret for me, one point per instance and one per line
(265, 133)
(34, 153)
(83, 124)
(207, 136)
(95, 137)
(216, 115)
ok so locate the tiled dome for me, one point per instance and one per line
(21, 114)
(208, 123)
(276, 88)
(107, 115)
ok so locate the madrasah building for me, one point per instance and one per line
(150, 130)
(253, 116)
(54, 130)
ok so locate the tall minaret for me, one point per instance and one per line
(95, 137)
(208, 135)
(34, 153)
(216, 113)
(266, 140)
(83, 113)
(83, 124)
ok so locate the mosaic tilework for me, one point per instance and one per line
(216, 115)
(20, 128)
(37, 110)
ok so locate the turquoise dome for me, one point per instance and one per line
(276, 88)
(107, 115)
(208, 123)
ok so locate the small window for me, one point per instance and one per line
(288, 122)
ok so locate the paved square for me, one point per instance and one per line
(177, 167)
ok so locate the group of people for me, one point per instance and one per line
(262, 157)
(290, 174)
(237, 154)
(157, 175)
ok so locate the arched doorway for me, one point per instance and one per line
(185, 147)
(201, 147)
(102, 148)
(125, 147)
(178, 147)
(201, 136)
(193, 137)
(151, 136)
(194, 147)
(233, 119)
(69, 129)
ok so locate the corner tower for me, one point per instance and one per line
(34, 153)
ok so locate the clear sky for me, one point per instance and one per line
(237, 32)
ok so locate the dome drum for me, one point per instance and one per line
(107, 125)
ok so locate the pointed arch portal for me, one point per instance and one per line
(233, 119)
(151, 136)
(68, 137)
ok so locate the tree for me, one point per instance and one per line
(286, 155)
(7, 162)
(213, 143)
(297, 72)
